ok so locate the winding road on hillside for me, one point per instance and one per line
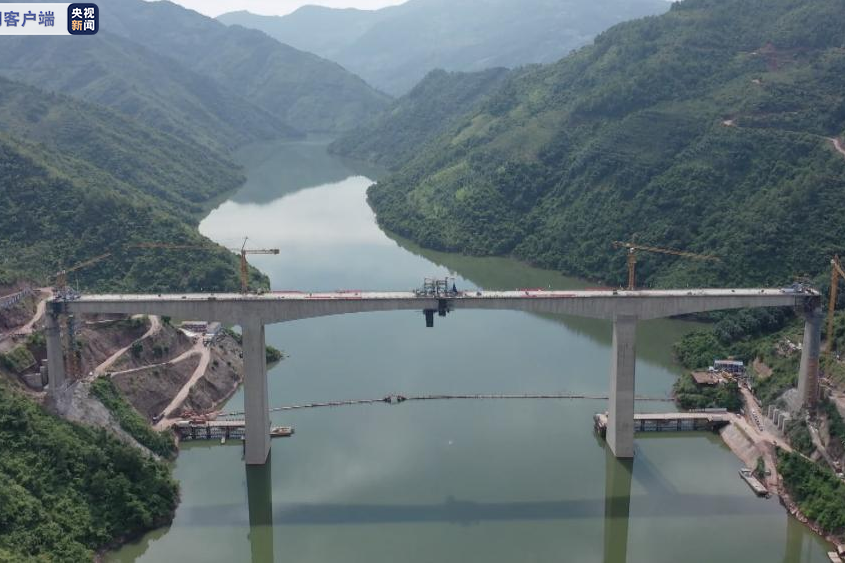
(155, 327)
(179, 398)
(44, 293)
(837, 144)
(835, 141)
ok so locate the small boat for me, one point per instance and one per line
(759, 489)
(281, 431)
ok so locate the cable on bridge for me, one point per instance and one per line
(396, 399)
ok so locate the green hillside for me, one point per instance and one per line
(56, 211)
(77, 181)
(154, 89)
(704, 129)
(307, 92)
(393, 48)
(427, 111)
(179, 173)
(68, 490)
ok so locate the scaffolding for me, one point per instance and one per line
(438, 287)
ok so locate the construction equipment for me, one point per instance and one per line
(61, 288)
(836, 272)
(243, 251)
(634, 247)
(245, 267)
(62, 291)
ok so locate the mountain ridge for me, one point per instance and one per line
(663, 128)
(394, 47)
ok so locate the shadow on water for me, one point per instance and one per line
(617, 507)
(259, 487)
(456, 511)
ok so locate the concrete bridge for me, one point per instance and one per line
(623, 308)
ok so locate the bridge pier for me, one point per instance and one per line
(256, 403)
(55, 354)
(620, 411)
(808, 372)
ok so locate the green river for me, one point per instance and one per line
(447, 481)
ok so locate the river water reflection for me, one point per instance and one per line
(454, 480)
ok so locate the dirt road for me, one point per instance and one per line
(155, 327)
(179, 398)
(837, 144)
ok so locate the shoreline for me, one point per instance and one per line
(743, 448)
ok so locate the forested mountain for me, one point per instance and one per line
(301, 89)
(77, 181)
(424, 113)
(393, 48)
(156, 90)
(67, 490)
(706, 129)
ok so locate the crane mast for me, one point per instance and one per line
(836, 272)
(633, 248)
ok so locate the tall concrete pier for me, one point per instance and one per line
(620, 412)
(808, 372)
(256, 397)
(624, 308)
(55, 354)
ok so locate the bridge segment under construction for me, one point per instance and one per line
(623, 308)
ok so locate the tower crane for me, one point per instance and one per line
(63, 292)
(245, 267)
(243, 251)
(61, 275)
(634, 247)
(836, 273)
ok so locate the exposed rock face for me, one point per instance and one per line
(99, 341)
(166, 344)
(18, 314)
(75, 403)
(221, 380)
(150, 389)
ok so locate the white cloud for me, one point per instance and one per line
(214, 8)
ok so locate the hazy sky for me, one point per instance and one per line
(277, 7)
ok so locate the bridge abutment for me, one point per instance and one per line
(808, 372)
(256, 402)
(55, 354)
(620, 412)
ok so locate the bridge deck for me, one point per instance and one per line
(281, 306)
(355, 295)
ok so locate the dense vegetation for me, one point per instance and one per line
(692, 396)
(180, 174)
(271, 353)
(77, 181)
(819, 494)
(56, 210)
(144, 85)
(767, 341)
(393, 48)
(423, 114)
(798, 434)
(704, 128)
(17, 360)
(160, 443)
(301, 89)
(67, 490)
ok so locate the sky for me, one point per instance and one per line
(214, 8)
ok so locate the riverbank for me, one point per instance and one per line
(772, 358)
